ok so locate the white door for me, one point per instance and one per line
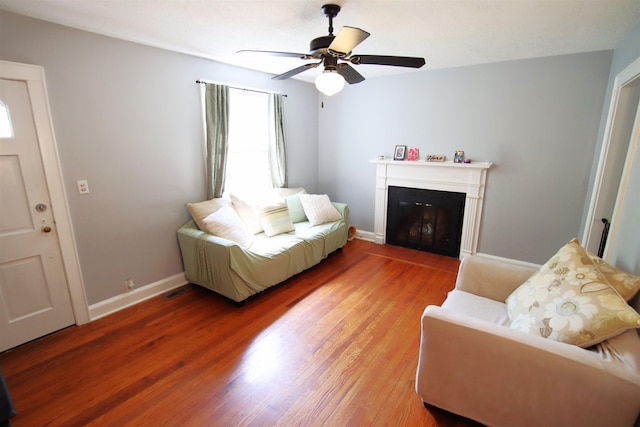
(34, 295)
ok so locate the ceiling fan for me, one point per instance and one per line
(334, 53)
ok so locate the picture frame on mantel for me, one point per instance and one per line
(400, 152)
(458, 156)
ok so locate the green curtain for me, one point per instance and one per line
(277, 151)
(217, 135)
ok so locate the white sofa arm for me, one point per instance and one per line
(502, 377)
(490, 278)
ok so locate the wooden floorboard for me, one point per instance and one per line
(336, 345)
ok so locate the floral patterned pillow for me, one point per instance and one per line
(627, 285)
(569, 300)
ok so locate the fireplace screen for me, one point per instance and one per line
(427, 220)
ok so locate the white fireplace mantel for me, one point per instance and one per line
(467, 178)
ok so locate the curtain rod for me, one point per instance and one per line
(240, 88)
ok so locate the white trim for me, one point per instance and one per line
(610, 138)
(624, 185)
(467, 178)
(368, 236)
(514, 262)
(122, 301)
(33, 75)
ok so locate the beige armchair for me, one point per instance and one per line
(473, 365)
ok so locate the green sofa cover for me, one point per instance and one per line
(238, 273)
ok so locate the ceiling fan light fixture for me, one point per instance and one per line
(327, 50)
(329, 82)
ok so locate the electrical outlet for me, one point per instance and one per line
(83, 186)
(129, 284)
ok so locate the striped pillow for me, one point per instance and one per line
(275, 219)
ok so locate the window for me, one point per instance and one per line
(247, 171)
(6, 130)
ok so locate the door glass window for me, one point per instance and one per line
(6, 130)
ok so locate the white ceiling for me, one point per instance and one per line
(447, 33)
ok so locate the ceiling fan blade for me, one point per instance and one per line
(349, 73)
(274, 53)
(295, 71)
(346, 40)
(396, 61)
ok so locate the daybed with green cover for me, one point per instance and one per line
(250, 248)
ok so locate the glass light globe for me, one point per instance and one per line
(329, 82)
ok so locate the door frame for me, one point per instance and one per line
(33, 76)
(616, 140)
(621, 197)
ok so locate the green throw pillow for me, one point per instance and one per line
(296, 211)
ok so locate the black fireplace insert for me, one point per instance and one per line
(427, 220)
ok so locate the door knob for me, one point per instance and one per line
(46, 229)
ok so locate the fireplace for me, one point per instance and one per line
(427, 220)
(467, 179)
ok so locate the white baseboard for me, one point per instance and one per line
(119, 302)
(509, 261)
(366, 235)
(371, 237)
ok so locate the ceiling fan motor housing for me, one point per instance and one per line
(320, 45)
(330, 10)
(328, 50)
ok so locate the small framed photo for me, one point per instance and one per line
(414, 154)
(458, 157)
(400, 152)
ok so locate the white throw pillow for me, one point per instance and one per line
(319, 209)
(226, 223)
(201, 210)
(281, 193)
(275, 219)
(247, 213)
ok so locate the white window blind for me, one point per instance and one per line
(247, 172)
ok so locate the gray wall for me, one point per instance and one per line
(536, 120)
(127, 118)
(627, 254)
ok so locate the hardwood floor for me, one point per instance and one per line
(336, 345)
